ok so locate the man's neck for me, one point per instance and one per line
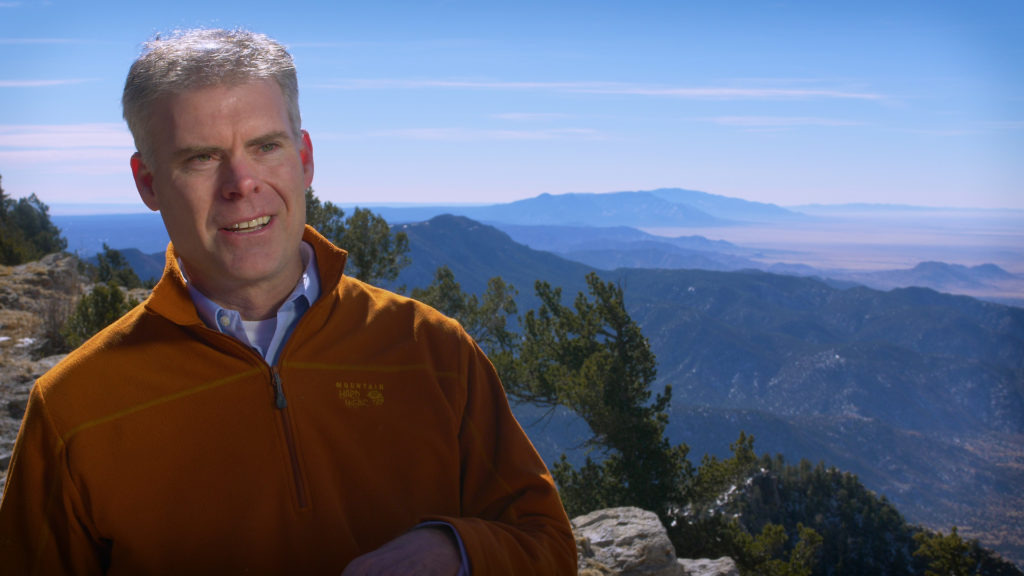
(251, 301)
(255, 304)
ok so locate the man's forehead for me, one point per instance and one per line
(219, 92)
(212, 110)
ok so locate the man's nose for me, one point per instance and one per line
(239, 177)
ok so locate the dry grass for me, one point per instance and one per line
(33, 298)
(17, 324)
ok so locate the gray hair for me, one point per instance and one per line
(190, 59)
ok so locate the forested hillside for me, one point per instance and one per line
(855, 531)
(920, 394)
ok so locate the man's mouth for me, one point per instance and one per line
(249, 225)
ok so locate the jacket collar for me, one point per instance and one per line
(171, 300)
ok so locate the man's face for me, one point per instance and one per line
(229, 176)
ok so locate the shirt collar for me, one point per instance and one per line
(226, 320)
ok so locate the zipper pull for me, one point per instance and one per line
(279, 399)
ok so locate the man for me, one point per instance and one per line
(260, 412)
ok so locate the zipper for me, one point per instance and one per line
(279, 400)
(281, 403)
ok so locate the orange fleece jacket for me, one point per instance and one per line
(160, 447)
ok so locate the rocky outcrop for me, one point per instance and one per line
(633, 542)
(34, 299)
(707, 567)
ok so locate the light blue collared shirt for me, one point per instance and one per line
(265, 336)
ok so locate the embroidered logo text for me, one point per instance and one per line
(360, 394)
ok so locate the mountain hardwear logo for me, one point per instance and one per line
(360, 394)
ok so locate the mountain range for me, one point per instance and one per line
(653, 229)
(664, 207)
(919, 393)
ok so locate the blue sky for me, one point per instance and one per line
(451, 101)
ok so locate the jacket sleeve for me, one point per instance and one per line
(41, 529)
(512, 519)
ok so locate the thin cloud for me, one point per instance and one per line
(1005, 125)
(778, 121)
(467, 135)
(610, 88)
(111, 161)
(529, 116)
(350, 44)
(717, 93)
(388, 84)
(972, 128)
(945, 132)
(77, 161)
(79, 136)
(36, 40)
(334, 44)
(87, 149)
(41, 83)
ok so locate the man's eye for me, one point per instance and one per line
(201, 158)
(269, 147)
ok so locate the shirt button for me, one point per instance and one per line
(224, 320)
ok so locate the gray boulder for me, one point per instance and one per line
(633, 542)
(626, 541)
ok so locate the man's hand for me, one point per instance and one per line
(428, 551)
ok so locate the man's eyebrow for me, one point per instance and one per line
(190, 151)
(269, 137)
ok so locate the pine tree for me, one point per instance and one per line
(26, 232)
(485, 319)
(4, 202)
(375, 253)
(7, 250)
(113, 268)
(947, 555)
(594, 359)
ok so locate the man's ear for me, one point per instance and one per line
(306, 154)
(144, 182)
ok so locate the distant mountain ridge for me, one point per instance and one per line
(622, 247)
(475, 253)
(148, 267)
(556, 238)
(936, 275)
(618, 247)
(996, 283)
(143, 239)
(666, 207)
(662, 208)
(728, 208)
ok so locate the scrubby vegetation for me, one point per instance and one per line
(82, 299)
(26, 233)
(94, 311)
